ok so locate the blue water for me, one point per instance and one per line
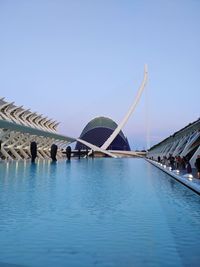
(96, 212)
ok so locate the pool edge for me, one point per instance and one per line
(191, 185)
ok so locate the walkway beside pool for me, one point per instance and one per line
(189, 181)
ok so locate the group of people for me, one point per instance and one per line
(181, 163)
(197, 165)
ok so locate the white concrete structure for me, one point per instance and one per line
(19, 127)
(185, 142)
(13, 113)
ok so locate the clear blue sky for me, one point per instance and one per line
(73, 60)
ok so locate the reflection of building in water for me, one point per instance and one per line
(19, 127)
(98, 130)
(184, 143)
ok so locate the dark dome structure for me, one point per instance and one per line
(97, 132)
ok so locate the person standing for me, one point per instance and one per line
(197, 165)
(171, 161)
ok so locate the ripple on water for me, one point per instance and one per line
(101, 212)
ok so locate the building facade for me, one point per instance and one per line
(19, 127)
(184, 143)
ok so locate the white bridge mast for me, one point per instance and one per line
(128, 114)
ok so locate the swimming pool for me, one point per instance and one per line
(96, 212)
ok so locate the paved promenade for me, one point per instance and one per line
(190, 181)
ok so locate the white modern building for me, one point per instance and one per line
(184, 143)
(20, 126)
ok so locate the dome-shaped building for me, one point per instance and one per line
(98, 130)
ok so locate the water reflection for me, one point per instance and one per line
(33, 167)
(96, 211)
(172, 183)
